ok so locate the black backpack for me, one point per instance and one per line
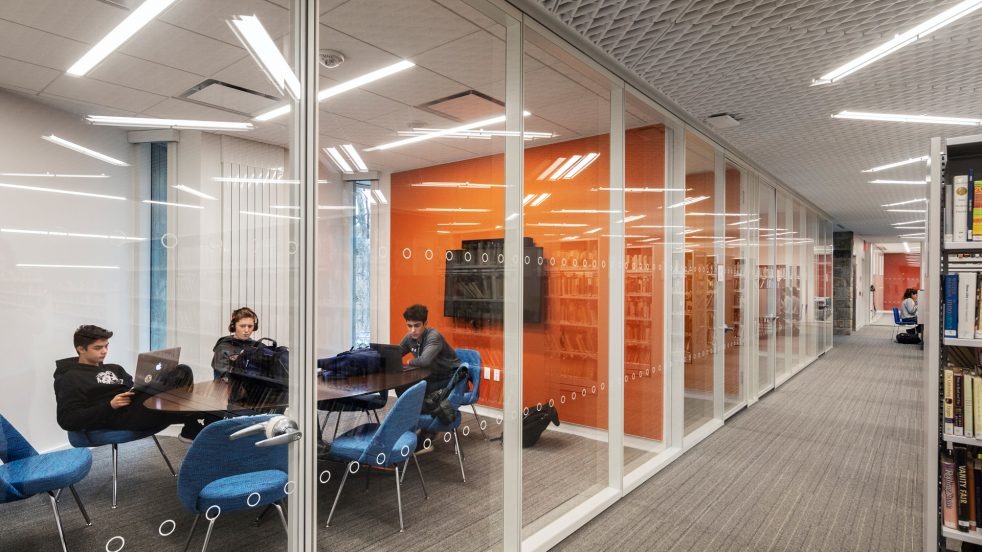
(437, 403)
(177, 377)
(260, 375)
(356, 362)
(908, 338)
(536, 421)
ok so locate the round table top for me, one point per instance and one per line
(212, 396)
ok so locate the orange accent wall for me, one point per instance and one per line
(565, 356)
(898, 275)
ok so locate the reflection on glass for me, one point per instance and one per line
(782, 256)
(766, 284)
(734, 306)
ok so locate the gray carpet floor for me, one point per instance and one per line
(829, 461)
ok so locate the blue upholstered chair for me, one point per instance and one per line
(114, 437)
(382, 446)
(219, 476)
(430, 424)
(472, 359)
(25, 473)
(362, 403)
(898, 322)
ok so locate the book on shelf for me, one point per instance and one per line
(948, 492)
(970, 224)
(951, 305)
(960, 218)
(967, 283)
(959, 397)
(961, 487)
(969, 416)
(948, 223)
(977, 502)
(949, 401)
(977, 404)
(976, 188)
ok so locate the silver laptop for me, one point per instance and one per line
(150, 365)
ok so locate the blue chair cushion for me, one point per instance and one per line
(46, 472)
(100, 437)
(232, 493)
(433, 425)
(351, 447)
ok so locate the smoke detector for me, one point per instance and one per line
(331, 58)
(723, 121)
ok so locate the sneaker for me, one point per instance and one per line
(190, 431)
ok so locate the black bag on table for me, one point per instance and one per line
(908, 338)
(356, 362)
(260, 374)
(536, 422)
(177, 377)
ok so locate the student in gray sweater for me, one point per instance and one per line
(429, 348)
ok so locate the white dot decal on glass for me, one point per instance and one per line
(593, 390)
(484, 424)
(380, 459)
(528, 259)
(321, 477)
(562, 399)
(291, 247)
(552, 261)
(595, 263)
(625, 378)
(122, 543)
(576, 263)
(540, 261)
(501, 258)
(407, 253)
(647, 371)
(169, 241)
(354, 467)
(572, 396)
(603, 264)
(449, 255)
(562, 261)
(498, 420)
(525, 412)
(405, 451)
(485, 257)
(583, 391)
(165, 533)
(538, 407)
(446, 437)
(552, 403)
(466, 431)
(427, 443)
(467, 256)
(216, 508)
(252, 503)
(428, 254)
(602, 386)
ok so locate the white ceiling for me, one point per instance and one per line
(756, 58)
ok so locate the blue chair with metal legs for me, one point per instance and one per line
(220, 475)
(431, 424)
(472, 359)
(382, 446)
(115, 437)
(370, 402)
(899, 323)
(25, 473)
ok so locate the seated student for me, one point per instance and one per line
(92, 395)
(429, 348)
(908, 310)
(244, 322)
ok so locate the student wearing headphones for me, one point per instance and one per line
(244, 322)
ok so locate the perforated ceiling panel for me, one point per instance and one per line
(757, 58)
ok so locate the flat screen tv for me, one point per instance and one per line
(475, 282)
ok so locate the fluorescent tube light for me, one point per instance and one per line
(594, 231)
(583, 211)
(587, 160)
(900, 40)
(918, 221)
(453, 210)
(636, 189)
(632, 218)
(457, 223)
(905, 182)
(650, 240)
(904, 202)
(688, 201)
(53, 175)
(343, 87)
(569, 238)
(355, 158)
(135, 21)
(179, 124)
(368, 196)
(339, 160)
(906, 247)
(468, 126)
(456, 185)
(906, 210)
(84, 150)
(656, 226)
(565, 167)
(68, 234)
(194, 192)
(931, 119)
(910, 161)
(527, 199)
(251, 33)
(57, 191)
(380, 196)
(479, 134)
(743, 222)
(717, 214)
(244, 180)
(268, 215)
(558, 224)
(33, 265)
(171, 204)
(545, 174)
(538, 201)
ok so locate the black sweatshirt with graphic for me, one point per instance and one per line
(83, 393)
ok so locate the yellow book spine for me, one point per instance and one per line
(949, 401)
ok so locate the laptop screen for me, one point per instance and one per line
(391, 358)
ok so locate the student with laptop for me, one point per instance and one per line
(93, 395)
(429, 348)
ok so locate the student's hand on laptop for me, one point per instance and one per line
(121, 400)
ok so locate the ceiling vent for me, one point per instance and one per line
(231, 98)
(466, 106)
(723, 121)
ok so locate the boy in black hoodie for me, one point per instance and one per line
(92, 395)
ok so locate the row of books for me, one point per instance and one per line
(962, 403)
(962, 294)
(961, 489)
(966, 201)
(573, 284)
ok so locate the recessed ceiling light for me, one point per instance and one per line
(918, 221)
(688, 201)
(904, 202)
(900, 40)
(135, 21)
(587, 160)
(339, 160)
(57, 191)
(899, 164)
(906, 210)
(902, 182)
(180, 124)
(171, 204)
(84, 150)
(194, 192)
(251, 33)
(355, 158)
(900, 118)
(437, 134)
(53, 175)
(538, 201)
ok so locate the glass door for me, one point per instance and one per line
(766, 289)
(735, 219)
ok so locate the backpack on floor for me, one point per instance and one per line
(908, 338)
(536, 422)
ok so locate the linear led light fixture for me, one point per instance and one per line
(906, 247)
(742, 222)
(717, 214)
(341, 88)
(565, 167)
(587, 160)
(656, 226)
(245, 180)
(135, 21)
(910, 161)
(688, 201)
(57, 191)
(527, 199)
(53, 175)
(457, 223)
(68, 234)
(557, 225)
(339, 160)
(251, 33)
(650, 240)
(355, 158)
(84, 150)
(456, 185)
(479, 134)
(539, 200)
(178, 124)
(637, 190)
(36, 265)
(194, 192)
(899, 41)
(917, 235)
(381, 197)
(582, 211)
(900, 118)
(900, 182)
(918, 221)
(555, 164)
(594, 231)
(468, 126)
(172, 204)
(453, 210)
(268, 215)
(319, 207)
(632, 218)
(904, 202)
(906, 210)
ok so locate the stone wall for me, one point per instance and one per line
(842, 283)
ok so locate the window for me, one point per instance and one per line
(361, 267)
(158, 246)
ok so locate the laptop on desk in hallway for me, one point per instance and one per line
(150, 365)
(391, 357)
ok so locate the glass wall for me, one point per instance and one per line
(700, 280)
(791, 239)
(734, 223)
(766, 288)
(782, 264)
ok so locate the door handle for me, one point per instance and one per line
(279, 430)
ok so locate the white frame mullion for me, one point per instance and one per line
(719, 298)
(615, 298)
(675, 298)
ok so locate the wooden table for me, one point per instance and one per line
(212, 396)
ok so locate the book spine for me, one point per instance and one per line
(970, 471)
(959, 395)
(960, 192)
(961, 487)
(969, 223)
(949, 401)
(966, 305)
(976, 186)
(977, 402)
(978, 300)
(949, 198)
(968, 386)
(977, 470)
(951, 305)
(948, 492)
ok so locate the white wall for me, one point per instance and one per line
(41, 307)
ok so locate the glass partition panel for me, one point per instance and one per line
(735, 220)
(647, 147)
(766, 288)
(412, 137)
(700, 279)
(782, 265)
(792, 301)
(811, 298)
(567, 214)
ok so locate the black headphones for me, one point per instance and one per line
(244, 312)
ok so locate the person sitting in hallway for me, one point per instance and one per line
(429, 348)
(244, 323)
(92, 395)
(908, 310)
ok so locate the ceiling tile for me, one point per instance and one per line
(102, 93)
(385, 24)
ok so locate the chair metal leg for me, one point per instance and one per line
(164, 454)
(88, 522)
(279, 510)
(61, 532)
(478, 418)
(347, 470)
(194, 525)
(115, 471)
(399, 499)
(426, 496)
(58, 495)
(211, 525)
(259, 519)
(460, 455)
(337, 424)
(404, 466)
(377, 420)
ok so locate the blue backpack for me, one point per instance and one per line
(356, 362)
(260, 375)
